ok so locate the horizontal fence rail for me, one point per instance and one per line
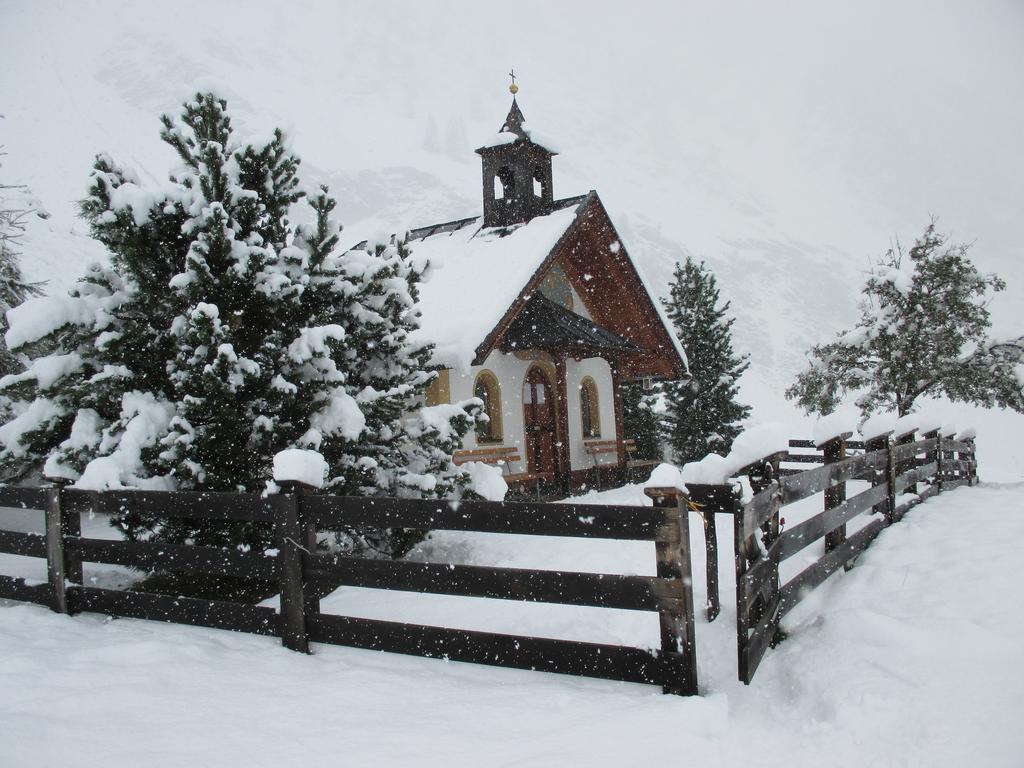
(242, 507)
(182, 558)
(576, 520)
(218, 614)
(641, 593)
(302, 573)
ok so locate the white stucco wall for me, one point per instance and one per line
(600, 371)
(511, 371)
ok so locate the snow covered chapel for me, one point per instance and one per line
(537, 309)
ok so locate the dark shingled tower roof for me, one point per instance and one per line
(514, 122)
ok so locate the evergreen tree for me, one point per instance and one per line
(641, 420)
(221, 334)
(370, 297)
(14, 289)
(923, 331)
(702, 415)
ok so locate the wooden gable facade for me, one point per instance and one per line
(592, 256)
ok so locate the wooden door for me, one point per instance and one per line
(539, 421)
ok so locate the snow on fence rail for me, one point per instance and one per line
(895, 465)
(302, 574)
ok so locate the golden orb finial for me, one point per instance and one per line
(513, 89)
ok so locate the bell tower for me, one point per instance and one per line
(516, 172)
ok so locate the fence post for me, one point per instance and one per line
(750, 610)
(761, 474)
(71, 532)
(935, 455)
(675, 614)
(946, 457)
(290, 538)
(890, 478)
(899, 467)
(309, 543)
(714, 601)
(833, 452)
(55, 564)
(881, 443)
(971, 457)
(962, 458)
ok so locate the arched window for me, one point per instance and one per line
(487, 389)
(504, 183)
(589, 408)
(540, 182)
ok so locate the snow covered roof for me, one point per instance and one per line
(475, 275)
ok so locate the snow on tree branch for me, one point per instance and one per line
(923, 331)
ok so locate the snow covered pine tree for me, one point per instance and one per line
(923, 331)
(13, 287)
(220, 334)
(702, 415)
(369, 296)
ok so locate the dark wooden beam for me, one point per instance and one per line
(562, 419)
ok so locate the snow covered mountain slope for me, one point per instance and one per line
(786, 146)
(909, 659)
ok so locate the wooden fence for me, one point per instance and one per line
(902, 472)
(302, 572)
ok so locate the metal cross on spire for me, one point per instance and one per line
(513, 89)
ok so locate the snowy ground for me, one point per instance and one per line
(909, 659)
